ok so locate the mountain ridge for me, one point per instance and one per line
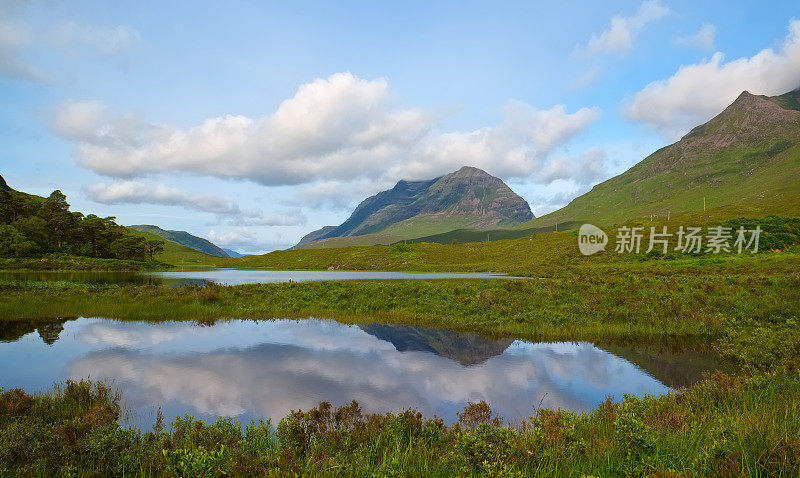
(747, 154)
(469, 197)
(183, 238)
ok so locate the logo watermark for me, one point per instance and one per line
(687, 240)
(591, 239)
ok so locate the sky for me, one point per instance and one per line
(254, 123)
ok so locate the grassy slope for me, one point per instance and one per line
(183, 238)
(177, 254)
(536, 255)
(746, 156)
(773, 187)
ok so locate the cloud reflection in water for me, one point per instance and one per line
(249, 370)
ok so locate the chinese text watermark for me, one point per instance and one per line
(688, 240)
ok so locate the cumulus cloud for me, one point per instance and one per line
(341, 195)
(518, 147)
(246, 239)
(341, 128)
(134, 192)
(703, 39)
(586, 169)
(695, 93)
(619, 36)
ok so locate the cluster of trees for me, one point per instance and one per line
(30, 226)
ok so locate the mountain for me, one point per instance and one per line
(232, 254)
(747, 157)
(3, 185)
(467, 198)
(464, 348)
(183, 238)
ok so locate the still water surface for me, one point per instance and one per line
(229, 276)
(248, 369)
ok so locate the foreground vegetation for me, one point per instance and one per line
(722, 427)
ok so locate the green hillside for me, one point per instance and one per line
(747, 158)
(180, 255)
(183, 238)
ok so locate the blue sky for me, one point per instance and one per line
(253, 123)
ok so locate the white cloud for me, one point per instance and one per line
(703, 39)
(227, 211)
(586, 169)
(695, 93)
(339, 129)
(243, 238)
(619, 36)
(132, 192)
(519, 147)
(337, 195)
(335, 128)
(285, 218)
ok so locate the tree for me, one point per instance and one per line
(13, 243)
(36, 230)
(128, 247)
(56, 213)
(153, 247)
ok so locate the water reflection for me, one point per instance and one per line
(265, 369)
(48, 330)
(224, 276)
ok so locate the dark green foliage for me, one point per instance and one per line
(778, 233)
(31, 227)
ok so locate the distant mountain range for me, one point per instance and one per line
(747, 156)
(467, 198)
(232, 254)
(184, 238)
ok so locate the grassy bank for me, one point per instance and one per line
(722, 427)
(67, 262)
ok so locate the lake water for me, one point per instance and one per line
(264, 369)
(229, 276)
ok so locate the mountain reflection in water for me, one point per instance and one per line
(250, 369)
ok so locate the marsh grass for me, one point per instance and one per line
(729, 307)
(723, 426)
